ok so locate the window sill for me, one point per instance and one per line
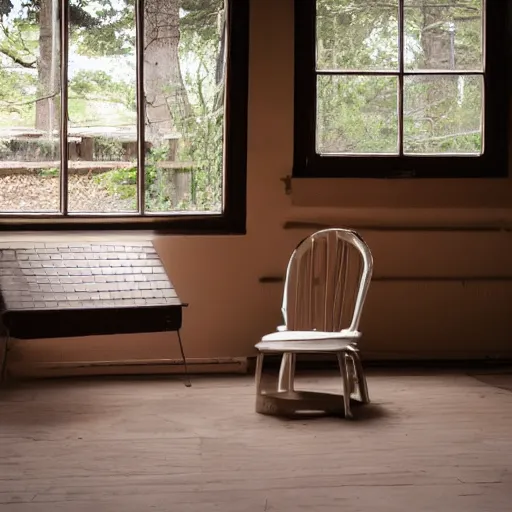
(402, 193)
(198, 224)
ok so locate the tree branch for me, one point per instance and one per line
(467, 18)
(29, 102)
(19, 39)
(440, 6)
(17, 60)
(443, 137)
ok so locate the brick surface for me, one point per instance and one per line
(83, 275)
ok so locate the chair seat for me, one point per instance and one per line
(308, 341)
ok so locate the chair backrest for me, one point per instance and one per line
(327, 280)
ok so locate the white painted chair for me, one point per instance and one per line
(327, 280)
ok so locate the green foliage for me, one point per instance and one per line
(157, 193)
(52, 172)
(122, 182)
(106, 28)
(119, 182)
(204, 138)
(355, 114)
(358, 114)
(205, 150)
(113, 33)
(26, 150)
(19, 41)
(201, 18)
(15, 89)
(98, 85)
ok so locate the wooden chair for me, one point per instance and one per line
(327, 280)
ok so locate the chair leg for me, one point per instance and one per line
(287, 372)
(361, 378)
(259, 372)
(343, 362)
(187, 378)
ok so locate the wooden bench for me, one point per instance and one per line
(62, 290)
(82, 145)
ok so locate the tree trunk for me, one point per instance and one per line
(435, 39)
(166, 98)
(220, 65)
(48, 68)
(437, 54)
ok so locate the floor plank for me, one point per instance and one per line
(430, 441)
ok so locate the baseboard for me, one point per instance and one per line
(394, 360)
(127, 367)
(245, 365)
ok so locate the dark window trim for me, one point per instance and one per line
(233, 219)
(492, 164)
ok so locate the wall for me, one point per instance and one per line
(405, 318)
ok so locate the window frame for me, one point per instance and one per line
(493, 163)
(232, 220)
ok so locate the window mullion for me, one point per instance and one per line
(401, 44)
(64, 41)
(141, 115)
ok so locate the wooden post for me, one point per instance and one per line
(172, 151)
(179, 181)
(181, 185)
(73, 148)
(130, 150)
(87, 149)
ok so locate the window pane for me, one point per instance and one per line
(29, 107)
(357, 114)
(102, 108)
(443, 114)
(357, 35)
(184, 77)
(443, 35)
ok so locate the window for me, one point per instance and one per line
(123, 114)
(401, 88)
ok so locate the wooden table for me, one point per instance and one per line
(66, 290)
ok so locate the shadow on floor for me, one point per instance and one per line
(496, 380)
(361, 413)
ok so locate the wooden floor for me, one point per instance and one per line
(429, 442)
